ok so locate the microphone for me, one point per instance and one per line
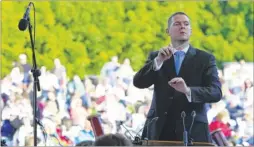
(185, 134)
(23, 23)
(121, 124)
(193, 115)
(147, 132)
(137, 140)
(3, 143)
(154, 119)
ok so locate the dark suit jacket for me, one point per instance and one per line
(198, 70)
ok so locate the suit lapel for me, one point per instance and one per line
(187, 64)
(168, 68)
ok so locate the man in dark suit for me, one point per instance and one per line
(184, 79)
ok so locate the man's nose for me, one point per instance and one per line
(182, 26)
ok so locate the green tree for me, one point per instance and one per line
(86, 34)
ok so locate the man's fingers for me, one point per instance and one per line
(178, 80)
(173, 85)
(165, 49)
(163, 52)
(171, 50)
(172, 81)
(175, 81)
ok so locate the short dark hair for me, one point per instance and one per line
(85, 143)
(170, 19)
(112, 140)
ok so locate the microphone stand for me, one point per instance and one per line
(36, 72)
(43, 131)
(36, 85)
(3, 143)
(121, 124)
(185, 133)
(137, 140)
(190, 139)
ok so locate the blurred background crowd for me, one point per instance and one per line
(64, 104)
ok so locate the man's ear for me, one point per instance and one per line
(167, 31)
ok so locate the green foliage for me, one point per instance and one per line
(84, 35)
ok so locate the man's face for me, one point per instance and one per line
(180, 29)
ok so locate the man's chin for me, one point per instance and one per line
(183, 39)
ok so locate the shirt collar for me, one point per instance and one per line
(184, 49)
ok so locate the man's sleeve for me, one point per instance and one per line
(211, 91)
(146, 76)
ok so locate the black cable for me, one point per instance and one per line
(43, 130)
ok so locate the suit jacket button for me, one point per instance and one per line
(171, 97)
(165, 113)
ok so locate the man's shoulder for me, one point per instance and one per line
(203, 53)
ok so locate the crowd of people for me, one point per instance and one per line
(65, 104)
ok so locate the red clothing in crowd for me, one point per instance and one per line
(63, 139)
(220, 125)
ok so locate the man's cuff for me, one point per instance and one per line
(156, 65)
(188, 95)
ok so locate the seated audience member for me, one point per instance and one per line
(112, 140)
(222, 122)
(85, 143)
